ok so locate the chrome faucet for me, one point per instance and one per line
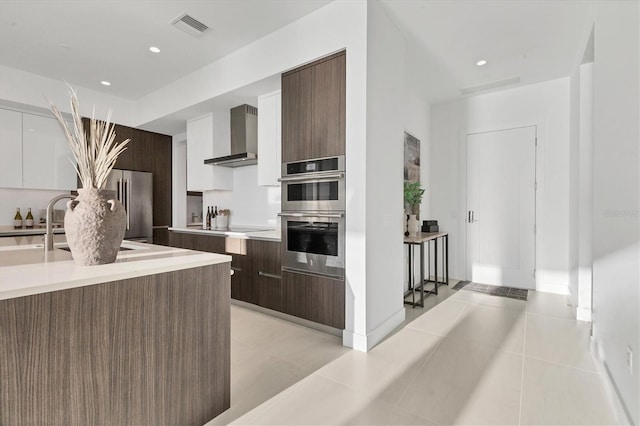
(48, 236)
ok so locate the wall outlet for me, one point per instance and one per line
(630, 360)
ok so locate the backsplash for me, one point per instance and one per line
(249, 203)
(37, 199)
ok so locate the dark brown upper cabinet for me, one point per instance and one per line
(313, 109)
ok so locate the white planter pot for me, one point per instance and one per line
(413, 225)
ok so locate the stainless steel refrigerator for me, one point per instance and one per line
(135, 192)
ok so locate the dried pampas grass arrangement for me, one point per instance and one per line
(95, 152)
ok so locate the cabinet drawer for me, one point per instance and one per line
(314, 298)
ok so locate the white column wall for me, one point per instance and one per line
(585, 227)
(179, 183)
(616, 197)
(574, 185)
(384, 176)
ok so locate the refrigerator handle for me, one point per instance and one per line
(119, 190)
(126, 200)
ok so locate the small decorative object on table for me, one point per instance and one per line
(95, 222)
(430, 226)
(413, 197)
(222, 219)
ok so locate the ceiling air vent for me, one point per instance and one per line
(488, 86)
(190, 25)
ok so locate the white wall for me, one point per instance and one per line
(417, 122)
(616, 196)
(585, 231)
(544, 104)
(249, 203)
(384, 177)
(37, 199)
(29, 91)
(574, 185)
(179, 181)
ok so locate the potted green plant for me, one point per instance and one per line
(413, 193)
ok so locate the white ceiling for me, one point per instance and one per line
(535, 40)
(86, 41)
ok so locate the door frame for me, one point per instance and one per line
(539, 193)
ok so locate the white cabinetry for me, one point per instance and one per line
(34, 153)
(46, 156)
(10, 149)
(200, 146)
(269, 139)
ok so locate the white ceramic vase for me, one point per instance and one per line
(413, 225)
(95, 223)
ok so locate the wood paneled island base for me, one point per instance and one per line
(150, 350)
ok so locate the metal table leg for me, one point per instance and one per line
(446, 254)
(435, 265)
(422, 274)
(411, 278)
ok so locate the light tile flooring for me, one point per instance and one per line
(469, 359)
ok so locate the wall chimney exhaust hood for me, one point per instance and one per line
(244, 139)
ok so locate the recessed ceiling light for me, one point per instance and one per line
(154, 49)
(481, 62)
(105, 83)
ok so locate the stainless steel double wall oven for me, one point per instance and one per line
(313, 209)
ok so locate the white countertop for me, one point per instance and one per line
(26, 270)
(10, 231)
(270, 235)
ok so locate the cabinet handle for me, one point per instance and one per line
(268, 275)
(235, 268)
(311, 177)
(311, 214)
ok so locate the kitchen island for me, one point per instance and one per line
(144, 340)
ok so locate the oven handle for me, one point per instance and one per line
(311, 214)
(313, 274)
(311, 177)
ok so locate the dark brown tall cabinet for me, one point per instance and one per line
(313, 109)
(149, 152)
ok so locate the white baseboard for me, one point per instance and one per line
(552, 282)
(583, 314)
(610, 388)
(364, 343)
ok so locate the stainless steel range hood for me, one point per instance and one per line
(244, 139)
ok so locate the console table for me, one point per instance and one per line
(420, 240)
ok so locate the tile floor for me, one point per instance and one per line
(469, 359)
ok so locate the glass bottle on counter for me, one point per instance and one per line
(214, 218)
(17, 219)
(29, 219)
(207, 223)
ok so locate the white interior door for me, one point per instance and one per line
(501, 207)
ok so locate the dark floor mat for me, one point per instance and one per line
(461, 285)
(493, 290)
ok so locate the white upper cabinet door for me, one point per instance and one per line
(46, 156)
(10, 149)
(269, 138)
(200, 144)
